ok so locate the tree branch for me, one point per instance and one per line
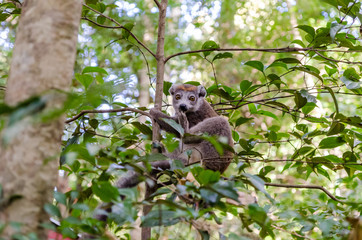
(100, 25)
(271, 50)
(305, 186)
(335, 60)
(119, 26)
(157, 3)
(108, 111)
(297, 161)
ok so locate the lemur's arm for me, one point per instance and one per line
(157, 115)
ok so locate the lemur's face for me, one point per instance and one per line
(186, 97)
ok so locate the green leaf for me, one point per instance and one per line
(207, 176)
(252, 108)
(299, 100)
(84, 79)
(222, 93)
(52, 210)
(288, 60)
(335, 28)
(255, 64)
(94, 69)
(278, 64)
(309, 71)
(4, 16)
(174, 125)
(257, 213)
(335, 128)
(27, 108)
(209, 196)
(101, 7)
(222, 55)
(308, 29)
(331, 142)
(299, 42)
(105, 191)
(209, 45)
(267, 113)
(143, 128)
(279, 104)
(226, 189)
(128, 28)
(93, 123)
(350, 84)
(160, 218)
(242, 120)
(308, 107)
(60, 197)
(166, 87)
(258, 183)
(244, 85)
(101, 19)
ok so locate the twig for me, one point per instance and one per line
(108, 111)
(120, 26)
(157, 3)
(334, 60)
(349, 9)
(291, 233)
(100, 25)
(305, 186)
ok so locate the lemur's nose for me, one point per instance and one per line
(183, 107)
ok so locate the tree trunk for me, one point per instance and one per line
(43, 60)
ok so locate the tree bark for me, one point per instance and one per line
(43, 60)
(160, 58)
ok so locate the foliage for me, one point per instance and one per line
(295, 114)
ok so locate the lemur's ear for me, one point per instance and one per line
(172, 89)
(201, 91)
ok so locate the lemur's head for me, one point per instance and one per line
(186, 97)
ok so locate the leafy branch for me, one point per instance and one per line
(119, 26)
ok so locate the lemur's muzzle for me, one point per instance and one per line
(183, 107)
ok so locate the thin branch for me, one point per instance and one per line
(271, 50)
(157, 3)
(108, 111)
(334, 60)
(120, 26)
(100, 25)
(291, 233)
(305, 186)
(298, 161)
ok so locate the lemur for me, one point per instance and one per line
(197, 117)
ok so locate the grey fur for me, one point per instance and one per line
(196, 117)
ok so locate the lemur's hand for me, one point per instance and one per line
(182, 119)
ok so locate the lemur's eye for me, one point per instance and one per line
(192, 98)
(177, 97)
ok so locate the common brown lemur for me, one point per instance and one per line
(197, 117)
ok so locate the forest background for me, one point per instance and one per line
(285, 73)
